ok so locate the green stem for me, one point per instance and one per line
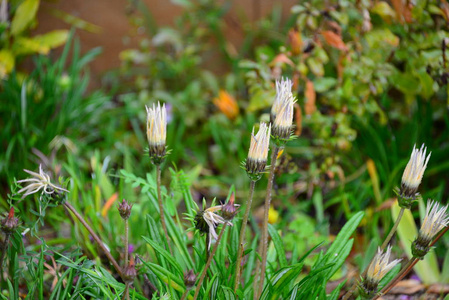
(161, 207)
(96, 238)
(242, 235)
(265, 220)
(126, 241)
(382, 247)
(209, 261)
(2, 257)
(393, 230)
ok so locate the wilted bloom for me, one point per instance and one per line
(41, 181)
(189, 279)
(124, 209)
(227, 104)
(156, 131)
(435, 220)
(412, 176)
(258, 151)
(282, 110)
(229, 209)
(206, 221)
(378, 268)
(10, 223)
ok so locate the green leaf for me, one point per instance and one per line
(165, 254)
(279, 245)
(228, 293)
(344, 234)
(279, 281)
(25, 14)
(166, 276)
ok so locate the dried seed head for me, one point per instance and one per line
(229, 210)
(156, 131)
(413, 173)
(124, 209)
(9, 224)
(282, 110)
(435, 220)
(189, 279)
(39, 181)
(258, 151)
(130, 270)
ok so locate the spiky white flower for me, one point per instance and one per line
(282, 109)
(283, 91)
(258, 150)
(156, 129)
(436, 219)
(41, 181)
(380, 265)
(414, 171)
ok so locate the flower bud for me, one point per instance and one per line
(378, 268)
(282, 110)
(189, 279)
(258, 152)
(10, 223)
(156, 132)
(124, 209)
(435, 220)
(229, 210)
(412, 176)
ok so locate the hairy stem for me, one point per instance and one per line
(209, 261)
(382, 247)
(265, 220)
(161, 207)
(95, 237)
(126, 241)
(4, 248)
(242, 235)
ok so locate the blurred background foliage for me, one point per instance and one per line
(370, 79)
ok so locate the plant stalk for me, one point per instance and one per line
(242, 235)
(186, 292)
(126, 241)
(95, 237)
(161, 207)
(265, 220)
(382, 247)
(209, 261)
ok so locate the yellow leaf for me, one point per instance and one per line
(52, 39)
(24, 15)
(6, 62)
(24, 46)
